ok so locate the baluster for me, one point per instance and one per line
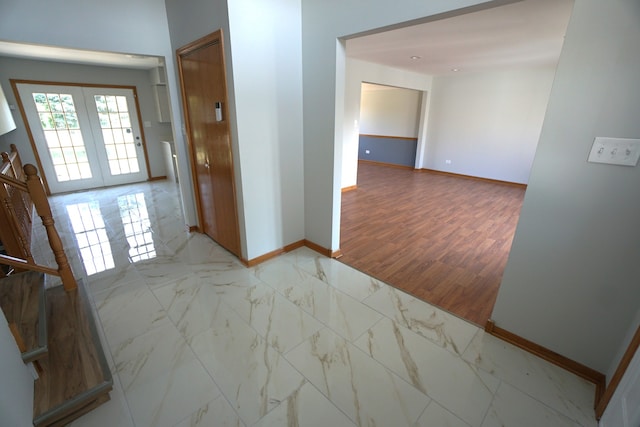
(5, 157)
(39, 198)
(17, 170)
(12, 165)
(17, 231)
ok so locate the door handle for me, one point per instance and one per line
(206, 165)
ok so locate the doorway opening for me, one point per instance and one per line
(481, 121)
(389, 125)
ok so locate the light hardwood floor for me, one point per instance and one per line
(443, 239)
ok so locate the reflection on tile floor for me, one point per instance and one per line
(194, 338)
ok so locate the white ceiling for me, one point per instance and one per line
(525, 33)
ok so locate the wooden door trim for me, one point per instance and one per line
(32, 141)
(634, 345)
(216, 37)
(211, 38)
(14, 86)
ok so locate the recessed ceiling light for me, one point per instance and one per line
(415, 58)
(455, 69)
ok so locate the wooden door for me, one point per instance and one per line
(204, 90)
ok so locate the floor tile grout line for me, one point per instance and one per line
(396, 289)
(550, 408)
(471, 366)
(115, 371)
(437, 309)
(306, 311)
(493, 398)
(266, 342)
(188, 342)
(297, 262)
(373, 359)
(521, 389)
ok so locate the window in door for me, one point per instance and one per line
(119, 143)
(61, 128)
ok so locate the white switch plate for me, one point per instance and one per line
(615, 151)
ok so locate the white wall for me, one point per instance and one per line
(263, 52)
(358, 71)
(390, 111)
(571, 282)
(14, 68)
(267, 73)
(16, 387)
(488, 124)
(137, 27)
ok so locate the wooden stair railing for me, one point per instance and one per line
(54, 326)
(16, 208)
(11, 190)
(40, 201)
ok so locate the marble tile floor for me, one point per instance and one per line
(194, 338)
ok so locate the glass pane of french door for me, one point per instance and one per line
(61, 130)
(117, 133)
(119, 144)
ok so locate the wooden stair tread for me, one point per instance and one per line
(76, 377)
(22, 298)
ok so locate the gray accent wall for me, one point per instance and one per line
(396, 151)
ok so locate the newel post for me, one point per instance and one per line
(39, 198)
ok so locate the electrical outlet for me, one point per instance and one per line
(448, 162)
(615, 151)
(367, 151)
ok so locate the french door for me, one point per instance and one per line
(86, 137)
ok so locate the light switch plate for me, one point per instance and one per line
(615, 151)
